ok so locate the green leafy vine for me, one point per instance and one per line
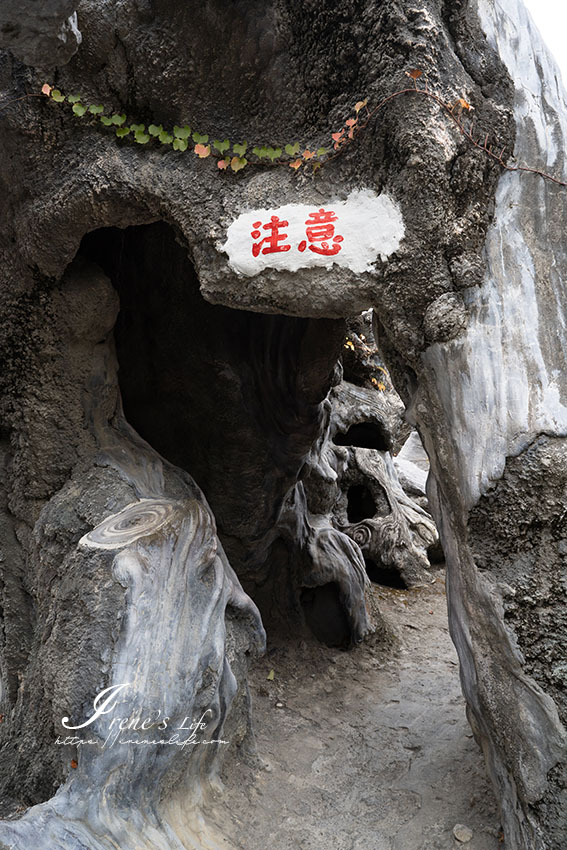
(236, 156)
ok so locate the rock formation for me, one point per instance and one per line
(114, 564)
(40, 36)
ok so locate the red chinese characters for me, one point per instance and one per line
(272, 241)
(320, 232)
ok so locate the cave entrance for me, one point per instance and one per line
(171, 345)
(230, 396)
(233, 397)
(364, 435)
(360, 503)
(325, 615)
(386, 576)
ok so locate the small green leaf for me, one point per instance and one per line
(104, 119)
(182, 132)
(240, 150)
(262, 152)
(180, 144)
(200, 140)
(165, 137)
(79, 109)
(118, 119)
(122, 131)
(221, 147)
(74, 98)
(141, 137)
(237, 163)
(273, 153)
(57, 96)
(322, 151)
(137, 128)
(291, 150)
(96, 110)
(270, 676)
(155, 129)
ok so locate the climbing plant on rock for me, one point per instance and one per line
(237, 155)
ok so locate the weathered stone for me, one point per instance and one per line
(154, 537)
(370, 506)
(445, 318)
(40, 34)
(478, 366)
(462, 833)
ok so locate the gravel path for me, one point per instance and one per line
(363, 750)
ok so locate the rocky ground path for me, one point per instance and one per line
(363, 750)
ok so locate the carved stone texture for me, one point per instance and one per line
(348, 518)
(468, 311)
(393, 532)
(132, 588)
(352, 480)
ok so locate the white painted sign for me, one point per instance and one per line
(351, 233)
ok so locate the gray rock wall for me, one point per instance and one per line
(43, 34)
(467, 312)
(503, 392)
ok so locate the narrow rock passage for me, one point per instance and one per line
(363, 750)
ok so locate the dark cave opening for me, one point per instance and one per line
(167, 339)
(364, 435)
(360, 503)
(386, 576)
(435, 554)
(325, 615)
(232, 397)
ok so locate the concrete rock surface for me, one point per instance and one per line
(40, 34)
(229, 378)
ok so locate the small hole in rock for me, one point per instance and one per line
(325, 615)
(435, 553)
(364, 435)
(386, 576)
(361, 504)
